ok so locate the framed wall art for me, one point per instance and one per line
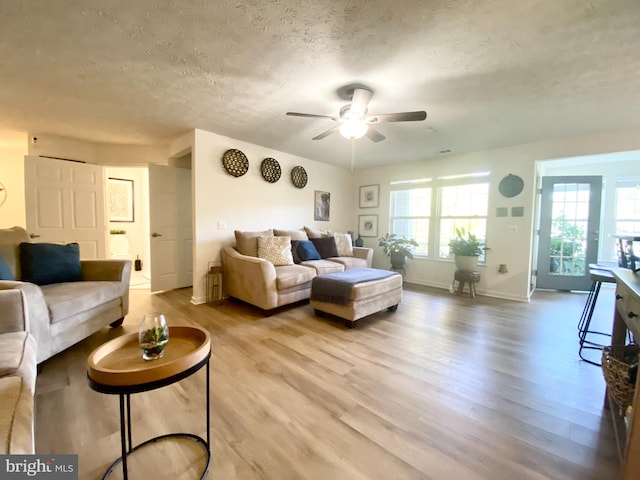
(321, 206)
(368, 225)
(369, 196)
(120, 200)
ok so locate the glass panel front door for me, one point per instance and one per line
(569, 228)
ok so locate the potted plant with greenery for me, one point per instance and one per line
(466, 248)
(398, 249)
(118, 243)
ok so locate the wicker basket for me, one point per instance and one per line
(616, 373)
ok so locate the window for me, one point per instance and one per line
(628, 210)
(462, 206)
(410, 215)
(425, 210)
(628, 207)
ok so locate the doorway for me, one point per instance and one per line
(569, 231)
(159, 232)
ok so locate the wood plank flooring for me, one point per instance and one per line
(447, 387)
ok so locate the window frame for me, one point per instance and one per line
(457, 181)
(435, 215)
(412, 185)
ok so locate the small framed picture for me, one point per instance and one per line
(120, 200)
(321, 206)
(369, 196)
(368, 225)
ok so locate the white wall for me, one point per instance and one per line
(513, 248)
(508, 237)
(12, 153)
(223, 203)
(98, 153)
(250, 203)
(130, 154)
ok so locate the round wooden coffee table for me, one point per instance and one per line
(117, 368)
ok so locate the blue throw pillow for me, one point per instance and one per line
(307, 250)
(5, 271)
(45, 263)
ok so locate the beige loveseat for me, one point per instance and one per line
(61, 314)
(259, 282)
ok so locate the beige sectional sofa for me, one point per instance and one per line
(62, 314)
(268, 284)
(38, 321)
(17, 379)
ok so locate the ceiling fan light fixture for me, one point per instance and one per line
(353, 129)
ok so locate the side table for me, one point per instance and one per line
(467, 277)
(117, 367)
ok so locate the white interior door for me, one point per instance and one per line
(569, 231)
(65, 203)
(170, 227)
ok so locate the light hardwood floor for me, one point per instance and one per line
(445, 388)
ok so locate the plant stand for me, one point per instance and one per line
(467, 277)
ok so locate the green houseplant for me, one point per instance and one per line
(398, 249)
(466, 248)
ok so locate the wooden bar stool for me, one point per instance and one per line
(467, 277)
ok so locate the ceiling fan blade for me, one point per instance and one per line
(374, 135)
(360, 101)
(311, 115)
(398, 117)
(325, 134)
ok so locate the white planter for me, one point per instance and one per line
(466, 264)
(118, 244)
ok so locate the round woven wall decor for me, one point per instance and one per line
(299, 176)
(235, 162)
(511, 185)
(270, 170)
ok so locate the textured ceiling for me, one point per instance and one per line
(489, 73)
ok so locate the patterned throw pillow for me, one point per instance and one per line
(344, 244)
(275, 249)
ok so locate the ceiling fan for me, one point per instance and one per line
(355, 122)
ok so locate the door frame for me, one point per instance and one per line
(592, 234)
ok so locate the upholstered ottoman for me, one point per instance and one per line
(356, 293)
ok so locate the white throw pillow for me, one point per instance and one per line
(344, 244)
(275, 249)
